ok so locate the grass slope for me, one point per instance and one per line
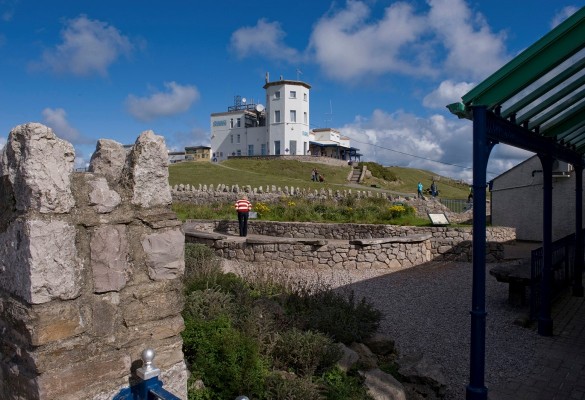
(282, 173)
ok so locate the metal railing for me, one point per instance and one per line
(456, 205)
(563, 265)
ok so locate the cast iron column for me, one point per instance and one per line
(545, 322)
(578, 271)
(476, 390)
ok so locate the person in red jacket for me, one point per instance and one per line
(243, 207)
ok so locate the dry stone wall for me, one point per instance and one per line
(90, 268)
(440, 243)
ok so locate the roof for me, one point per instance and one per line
(286, 82)
(542, 89)
(326, 143)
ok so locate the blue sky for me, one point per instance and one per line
(381, 71)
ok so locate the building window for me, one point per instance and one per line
(250, 149)
(277, 95)
(263, 149)
(238, 139)
(277, 147)
(277, 116)
(305, 118)
(293, 94)
(305, 96)
(238, 122)
(239, 153)
(293, 116)
(231, 122)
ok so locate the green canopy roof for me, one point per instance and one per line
(542, 89)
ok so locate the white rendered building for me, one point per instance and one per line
(279, 128)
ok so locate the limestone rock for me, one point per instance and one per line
(147, 173)
(165, 254)
(419, 369)
(109, 258)
(348, 357)
(367, 359)
(380, 344)
(383, 386)
(108, 159)
(38, 261)
(39, 167)
(101, 196)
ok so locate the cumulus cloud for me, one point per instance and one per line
(265, 39)
(56, 119)
(88, 47)
(348, 45)
(175, 100)
(562, 15)
(447, 92)
(473, 50)
(439, 144)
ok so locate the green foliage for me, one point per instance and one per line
(379, 171)
(338, 316)
(283, 386)
(228, 362)
(341, 386)
(304, 352)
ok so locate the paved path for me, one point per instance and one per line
(559, 369)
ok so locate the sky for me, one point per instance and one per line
(381, 72)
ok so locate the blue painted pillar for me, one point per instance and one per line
(578, 271)
(545, 322)
(476, 390)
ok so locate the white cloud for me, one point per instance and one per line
(562, 15)
(436, 143)
(56, 119)
(448, 92)
(473, 50)
(175, 100)
(265, 39)
(348, 46)
(88, 47)
(2, 142)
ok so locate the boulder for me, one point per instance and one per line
(383, 386)
(108, 159)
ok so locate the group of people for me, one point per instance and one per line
(433, 190)
(316, 176)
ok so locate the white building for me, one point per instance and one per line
(279, 128)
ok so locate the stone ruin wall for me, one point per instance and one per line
(445, 243)
(90, 268)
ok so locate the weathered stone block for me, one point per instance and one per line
(39, 166)
(57, 321)
(165, 254)
(108, 159)
(109, 258)
(101, 196)
(38, 261)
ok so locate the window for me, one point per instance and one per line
(293, 116)
(231, 122)
(238, 123)
(277, 95)
(305, 117)
(238, 139)
(263, 149)
(250, 149)
(277, 147)
(277, 116)
(293, 94)
(305, 96)
(239, 153)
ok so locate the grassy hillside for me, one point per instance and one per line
(291, 172)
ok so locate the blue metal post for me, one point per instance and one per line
(578, 271)
(545, 322)
(476, 390)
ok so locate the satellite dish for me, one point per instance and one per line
(259, 107)
(244, 100)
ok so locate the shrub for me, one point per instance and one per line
(227, 361)
(201, 265)
(284, 386)
(336, 315)
(304, 352)
(341, 386)
(208, 304)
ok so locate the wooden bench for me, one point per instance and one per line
(518, 277)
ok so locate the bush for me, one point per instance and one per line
(304, 352)
(341, 386)
(284, 386)
(227, 361)
(336, 315)
(201, 265)
(379, 171)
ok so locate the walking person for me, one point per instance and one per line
(420, 191)
(243, 207)
(433, 189)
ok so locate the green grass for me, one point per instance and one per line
(280, 173)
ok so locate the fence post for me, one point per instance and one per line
(150, 386)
